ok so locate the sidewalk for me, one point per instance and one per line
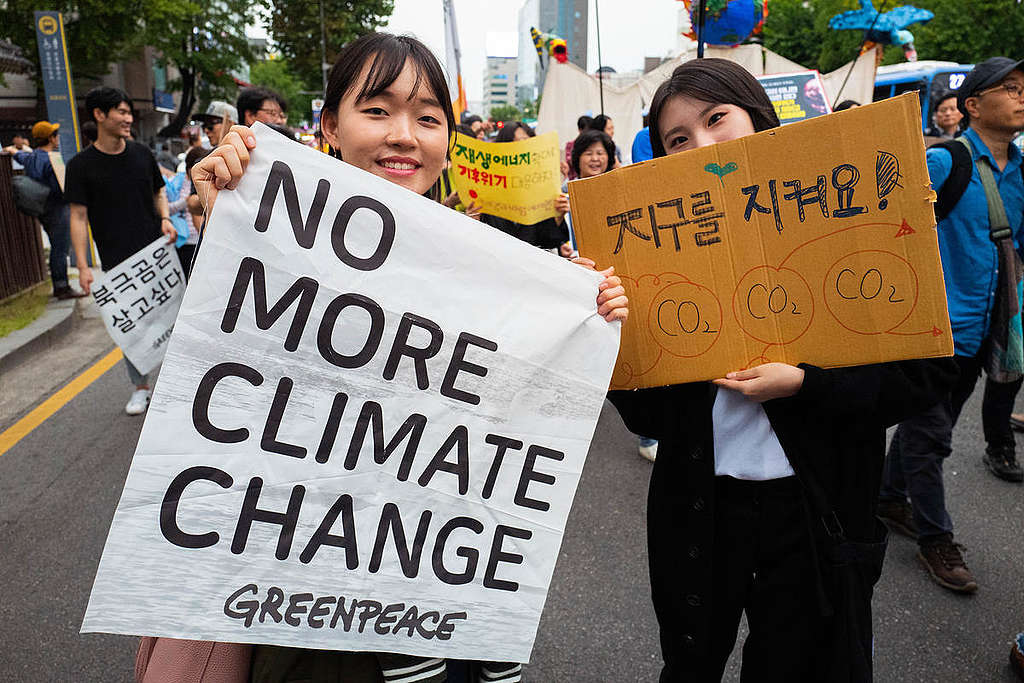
(55, 322)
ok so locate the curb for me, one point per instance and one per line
(53, 324)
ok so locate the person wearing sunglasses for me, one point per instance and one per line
(217, 120)
(980, 231)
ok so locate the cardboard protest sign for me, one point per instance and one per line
(368, 430)
(139, 300)
(515, 180)
(811, 243)
(796, 96)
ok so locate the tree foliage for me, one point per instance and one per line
(506, 112)
(205, 42)
(295, 27)
(276, 75)
(97, 32)
(965, 32)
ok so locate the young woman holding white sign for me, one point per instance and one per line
(386, 111)
(763, 494)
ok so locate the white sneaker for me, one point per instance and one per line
(648, 452)
(138, 403)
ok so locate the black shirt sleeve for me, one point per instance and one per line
(74, 181)
(154, 170)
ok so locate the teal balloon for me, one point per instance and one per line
(728, 22)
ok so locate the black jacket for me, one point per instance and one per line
(833, 430)
(547, 234)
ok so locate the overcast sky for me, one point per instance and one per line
(630, 31)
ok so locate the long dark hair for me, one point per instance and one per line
(389, 54)
(584, 141)
(718, 81)
(599, 122)
(508, 131)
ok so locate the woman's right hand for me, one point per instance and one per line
(224, 166)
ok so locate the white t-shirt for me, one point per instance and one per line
(745, 443)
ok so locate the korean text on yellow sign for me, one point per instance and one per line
(811, 243)
(515, 180)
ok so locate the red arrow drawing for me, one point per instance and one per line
(935, 332)
(905, 229)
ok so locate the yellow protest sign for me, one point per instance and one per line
(515, 180)
(811, 243)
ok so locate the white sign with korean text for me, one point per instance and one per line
(139, 300)
(368, 430)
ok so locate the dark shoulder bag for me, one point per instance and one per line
(30, 195)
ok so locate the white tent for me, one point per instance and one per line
(570, 91)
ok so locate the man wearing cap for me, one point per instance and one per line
(217, 120)
(991, 99)
(116, 184)
(55, 217)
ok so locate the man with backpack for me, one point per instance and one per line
(980, 209)
(54, 217)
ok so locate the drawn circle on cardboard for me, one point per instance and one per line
(871, 291)
(773, 305)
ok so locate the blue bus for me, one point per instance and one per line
(928, 78)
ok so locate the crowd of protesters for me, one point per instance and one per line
(766, 494)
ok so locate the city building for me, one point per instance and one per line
(499, 83)
(564, 18)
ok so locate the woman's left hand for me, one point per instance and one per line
(561, 207)
(612, 303)
(473, 209)
(765, 382)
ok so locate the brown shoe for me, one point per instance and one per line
(898, 515)
(1017, 421)
(944, 560)
(1017, 656)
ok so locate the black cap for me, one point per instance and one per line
(985, 75)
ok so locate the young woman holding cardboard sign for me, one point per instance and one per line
(763, 494)
(386, 111)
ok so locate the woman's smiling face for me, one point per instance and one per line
(399, 135)
(594, 160)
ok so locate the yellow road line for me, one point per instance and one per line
(23, 427)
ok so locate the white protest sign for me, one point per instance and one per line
(139, 300)
(368, 430)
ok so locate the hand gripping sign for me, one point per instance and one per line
(811, 243)
(368, 429)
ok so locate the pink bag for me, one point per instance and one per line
(168, 660)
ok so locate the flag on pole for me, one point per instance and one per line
(453, 59)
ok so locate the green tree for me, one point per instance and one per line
(205, 42)
(97, 33)
(295, 27)
(506, 112)
(276, 75)
(966, 32)
(970, 32)
(531, 108)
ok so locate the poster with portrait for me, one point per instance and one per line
(796, 96)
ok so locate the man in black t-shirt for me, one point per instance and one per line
(116, 185)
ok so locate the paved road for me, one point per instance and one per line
(59, 487)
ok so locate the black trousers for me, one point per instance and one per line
(763, 565)
(913, 465)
